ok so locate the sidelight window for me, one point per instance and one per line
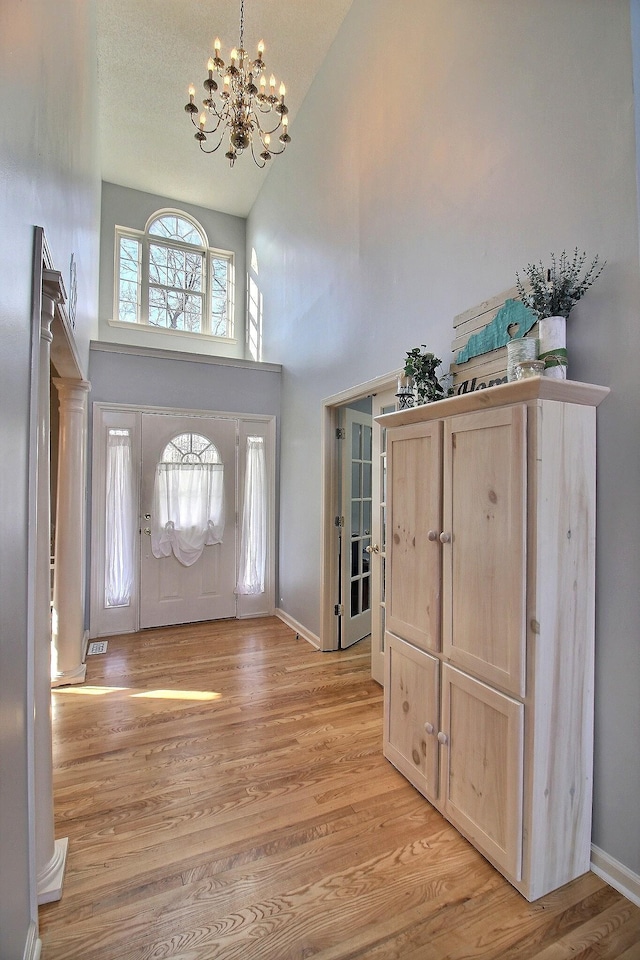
(119, 520)
(253, 535)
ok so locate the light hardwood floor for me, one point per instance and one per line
(225, 796)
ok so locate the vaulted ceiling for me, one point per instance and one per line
(149, 51)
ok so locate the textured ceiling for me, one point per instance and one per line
(148, 53)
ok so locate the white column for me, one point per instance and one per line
(50, 854)
(69, 572)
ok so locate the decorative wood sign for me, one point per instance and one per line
(480, 338)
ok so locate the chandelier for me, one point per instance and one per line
(243, 108)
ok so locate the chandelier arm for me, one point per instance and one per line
(213, 111)
(261, 130)
(213, 149)
(213, 130)
(276, 153)
(270, 133)
(256, 160)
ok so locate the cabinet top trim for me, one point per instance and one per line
(519, 391)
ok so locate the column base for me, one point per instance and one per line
(51, 878)
(68, 677)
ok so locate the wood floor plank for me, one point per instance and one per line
(225, 796)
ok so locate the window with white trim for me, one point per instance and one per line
(169, 278)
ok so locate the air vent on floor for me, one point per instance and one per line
(97, 646)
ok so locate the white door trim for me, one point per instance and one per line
(131, 417)
(329, 572)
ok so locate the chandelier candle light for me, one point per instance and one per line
(241, 107)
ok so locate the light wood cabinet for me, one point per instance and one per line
(490, 619)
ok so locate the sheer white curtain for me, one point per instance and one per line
(253, 535)
(119, 520)
(188, 509)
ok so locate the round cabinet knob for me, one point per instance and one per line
(442, 737)
(432, 535)
(369, 549)
(445, 538)
(429, 728)
(147, 530)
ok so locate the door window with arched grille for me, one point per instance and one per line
(188, 499)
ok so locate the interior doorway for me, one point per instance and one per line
(375, 396)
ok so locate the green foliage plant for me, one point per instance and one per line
(556, 289)
(422, 365)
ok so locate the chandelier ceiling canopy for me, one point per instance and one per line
(246, 107)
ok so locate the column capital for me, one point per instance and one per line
(53, 292)
(53, 286)
(69, 389)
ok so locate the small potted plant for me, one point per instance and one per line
(420, 370)
(551, 294)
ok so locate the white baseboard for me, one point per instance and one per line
(618, 876)
(301, 630)
(33, 945)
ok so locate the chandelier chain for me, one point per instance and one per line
(242, 24)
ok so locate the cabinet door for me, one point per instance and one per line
(484, 556)
(411, 711)
(414, 478)
(482, 767)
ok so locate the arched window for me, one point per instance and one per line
(190, 448)
(169, 278)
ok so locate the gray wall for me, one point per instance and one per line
(170, 382)
(165, 381)
(48, 177)
(124, 207)
(495, 133)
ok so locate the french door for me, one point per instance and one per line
(355, 545)
(383, 402)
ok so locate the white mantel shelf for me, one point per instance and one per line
(519, 391)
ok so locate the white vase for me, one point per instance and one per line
(552, 332)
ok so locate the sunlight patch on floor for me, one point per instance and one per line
(178, 695)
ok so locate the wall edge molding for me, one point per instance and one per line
(33, 945)
(299, 628)
(616, 874)
(107, 346)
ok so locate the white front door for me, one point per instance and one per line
(171, 592)
(384, 402)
